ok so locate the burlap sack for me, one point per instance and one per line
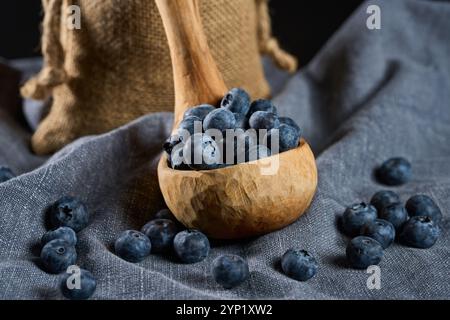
(117, 67)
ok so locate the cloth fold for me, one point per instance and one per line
(367, 96)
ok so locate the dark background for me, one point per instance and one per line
(301, 26)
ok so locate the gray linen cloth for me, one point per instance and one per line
(367, 96)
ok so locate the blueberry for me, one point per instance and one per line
(63, 233)
(132, 246)
(356, 216)
(234, 146)
(395, 171)
(288, 121)
(178, 136)
(381, 230)
(165, 214)
(69, 212)
(363, 252)
(161, 233)
(395, 214)
(257, 152)
(192, 124)
(299, 264)
(287, 137)
(201, 152)
(200, 111)
(383, 198)
(220, 119)
(176, 158)
(6, 174)
(57, 255)
(422, 205)
(230, 270)
(262, 105)
(87, 286)
(419, 232)
(263, 120)
(236, 100)
(241, 121)
(191, 246)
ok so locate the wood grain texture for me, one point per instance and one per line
(197, 79)
(237, 201)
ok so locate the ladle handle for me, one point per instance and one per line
(197, 79)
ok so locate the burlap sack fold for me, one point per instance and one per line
(117, 67)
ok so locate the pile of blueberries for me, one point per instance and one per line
(164, 235)
(239, 131)
(67, 216)
(375, 226)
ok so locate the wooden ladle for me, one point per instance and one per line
(238, 201)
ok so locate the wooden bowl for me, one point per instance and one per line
(237, 201)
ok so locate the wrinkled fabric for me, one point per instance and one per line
(367, 96)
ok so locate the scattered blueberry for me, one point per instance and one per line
(191, 246)
(69, 212)
(63, 233)
(422, 205)
(237, 101)
(262, 105)
(88, 284)
(395, 171)
(299, 264)
(57, 255)
(165, 214)
(220, 119)
(161, 233)
(230, 270)
(263, 120)
(395, 214)
(381, 230)
(257, 152)
(287, 137)
(383, 198)
(201, 152)
(420, 232)
(6, 174)
(132, 246)
(288, 121)
(200, 111)
(356, 216)
(363, 252)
